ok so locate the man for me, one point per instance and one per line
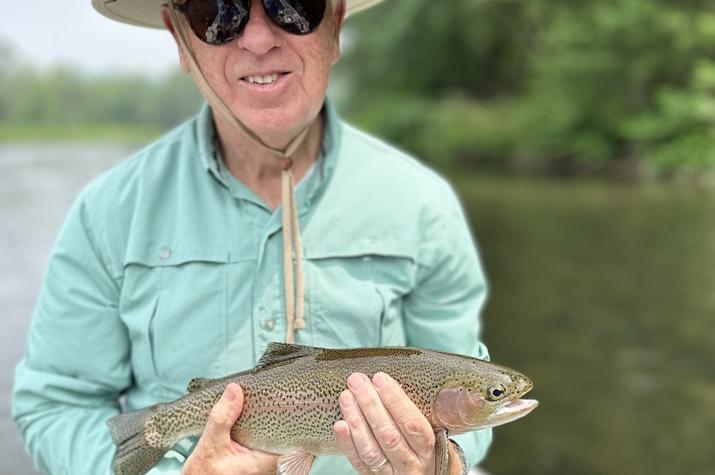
(188, 258)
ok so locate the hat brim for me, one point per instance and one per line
(148, 12)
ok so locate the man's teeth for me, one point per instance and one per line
(271, 78)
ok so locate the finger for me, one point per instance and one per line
(385, 431)
(345, 442)
(223, 415)
(409, 419)
(360, 435)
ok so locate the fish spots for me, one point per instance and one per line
(291, 402)
(332, 355)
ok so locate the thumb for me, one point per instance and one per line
(225, 413)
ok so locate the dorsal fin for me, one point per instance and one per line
(284, 352)
(197, 384)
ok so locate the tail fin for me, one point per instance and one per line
(134, 454)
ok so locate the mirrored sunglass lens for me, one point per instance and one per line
(217, 21)
(296, 16)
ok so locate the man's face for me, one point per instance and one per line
(282, 106)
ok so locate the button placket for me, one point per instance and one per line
(269, 324)
(261, 314)
(276, 309)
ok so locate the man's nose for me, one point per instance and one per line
(261, 34)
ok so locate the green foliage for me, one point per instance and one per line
(118, 133)
(446, 131)
(543, 82)
(63, 97)
(536, 84)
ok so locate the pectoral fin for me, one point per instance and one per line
(441, 452)
(296, 463)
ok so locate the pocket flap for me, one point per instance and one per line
(174, 255)
(357, 248)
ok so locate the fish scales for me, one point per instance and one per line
(291, 400)
(298, 403)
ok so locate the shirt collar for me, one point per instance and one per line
(210, 154)
(206, 133)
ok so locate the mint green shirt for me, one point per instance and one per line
(168, 268)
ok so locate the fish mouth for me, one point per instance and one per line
(512, 410)
(516, 407)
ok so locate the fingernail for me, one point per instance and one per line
(346, 399)
(379, 380)
(341, 428)
(229, 394)
(356, 380)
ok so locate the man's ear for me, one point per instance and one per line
(166, 18)
(339, 15)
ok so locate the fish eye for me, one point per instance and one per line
(496, 392)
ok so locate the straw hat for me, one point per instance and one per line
(147, 12)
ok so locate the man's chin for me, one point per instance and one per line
(276, 126)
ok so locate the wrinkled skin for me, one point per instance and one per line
(381, 425)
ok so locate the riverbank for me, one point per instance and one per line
(38, 182)
(14, 134)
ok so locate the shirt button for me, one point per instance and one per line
(164, 254)
(269, 324)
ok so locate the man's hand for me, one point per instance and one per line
(382, 430)
(216, 453)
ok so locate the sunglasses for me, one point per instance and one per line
(217, 22)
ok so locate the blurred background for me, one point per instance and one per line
(579, 135)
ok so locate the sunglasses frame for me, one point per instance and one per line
(183, 8)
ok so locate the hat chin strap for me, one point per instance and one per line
(292, 245)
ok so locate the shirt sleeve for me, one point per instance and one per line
(77, 360)
(443, 310)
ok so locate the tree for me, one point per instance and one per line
(586, 83)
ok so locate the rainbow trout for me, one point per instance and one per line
(291, 403)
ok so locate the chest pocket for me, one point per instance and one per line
(175, 307)
(356, 296)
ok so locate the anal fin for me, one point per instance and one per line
(295, 463)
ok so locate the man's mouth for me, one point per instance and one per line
(263, 78)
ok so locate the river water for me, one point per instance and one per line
(604, 294)
(37, 185)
